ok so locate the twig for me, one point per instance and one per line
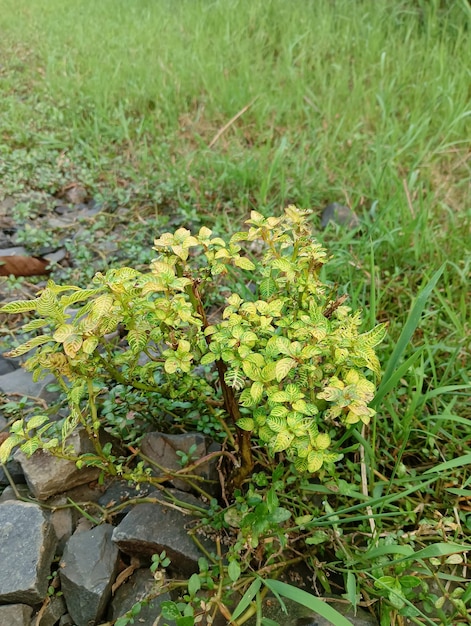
(409, 199)
(364, 485)
(222, 130)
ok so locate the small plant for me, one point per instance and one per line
(289, 361)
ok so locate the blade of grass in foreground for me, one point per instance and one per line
(308, 600)
(391, 376)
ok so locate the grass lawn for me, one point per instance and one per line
(195, 112)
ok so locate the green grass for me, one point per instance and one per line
(365, 103)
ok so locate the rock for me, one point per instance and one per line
(52, 612)
(7, 365)
(339, 214)
(139, 586)
(15, 615)
(8, 494)
(163, 448)
(20, 381)
(151, 528)
(120, 492)
(88, 569)
(75, 194)
(47, 475)
(27, 544)
(15, 471)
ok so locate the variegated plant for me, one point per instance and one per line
(291, 360)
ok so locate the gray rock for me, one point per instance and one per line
(120, 492)
(163, 448)
(8, 494)
(27, 544)
(47, 476)
(339, 214)
(151, 528)
(88, 569)
(52, 613)
(139, 587)
(7, 365)
(16, 473)
(21, 381)
(15, 615)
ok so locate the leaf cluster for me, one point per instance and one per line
(291, 356)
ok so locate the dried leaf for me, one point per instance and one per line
(17, 265)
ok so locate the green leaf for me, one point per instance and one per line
(29, 447)
(234, 571)
(244, 263)
(251, 370)
(282, 441)
(208, 358)
(89, 345)
(267, 287)
(461, 461)
(194, 584)
(283, 367)
(29, 345)
(19, 306)
(245, 423)
(7, 446)
(309, 601)
(36, 421)
(407, 332)
(247, 598)
(256, 391)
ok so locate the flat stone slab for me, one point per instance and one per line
(88, 570)
(27, 544)
(151, 528)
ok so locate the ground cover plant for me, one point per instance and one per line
(365, 103)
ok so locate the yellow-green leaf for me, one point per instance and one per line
(29, 345)
(19, 306)
(283, 368)
(256, 391)
(282, 441)
(89, 345)
(244, 263)
(245, 423)
(8, 445)
(72, 345)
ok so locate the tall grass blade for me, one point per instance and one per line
(309, 601)
(406, 335)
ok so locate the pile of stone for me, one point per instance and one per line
(60, 568)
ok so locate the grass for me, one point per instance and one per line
(366, 103)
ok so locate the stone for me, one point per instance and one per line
(163, 448)
(21, 382)
(138, 587)
(153, 527)
(15, 615)
(16, 473)
(87, 570)
(27, 545)
(7, 365)
(8, 494)
(339, 214)
(51, 612)
(119, 492)
(47, 475)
